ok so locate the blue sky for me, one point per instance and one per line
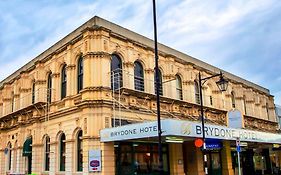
(239, 36)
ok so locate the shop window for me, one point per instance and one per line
(62, 152)
(49, 88)
(63, 82)
(79, 151)
(139, 158)
(197, 95)
(138, 76)
(33, 92)
(160, 82)
(47, 153)
(179, 87)
(80, 74)
(233, 99)
(116, 72)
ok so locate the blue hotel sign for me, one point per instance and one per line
(213, 144)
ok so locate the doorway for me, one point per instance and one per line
(27, 152)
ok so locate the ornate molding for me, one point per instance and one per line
(38, 82)
(188, 82)
(25, 90)
(149, 70)
(90, 55)
(128, 64)
(55, 75)
(260, 124)
(70, 67)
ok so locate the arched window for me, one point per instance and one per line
(80, 74)
(9, 156)
(116, 72)
(138, 76)
(79, 151)
(49, 88)
(63, 82)
(27, 152)
(33, 91)
(179, 87)
(233, 99)
(62, 152)
(160, 82)
(244, 104)
(196, 90)
(47, 153)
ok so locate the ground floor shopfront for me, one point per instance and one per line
(136, 150)
(133, 149)
(184, 158)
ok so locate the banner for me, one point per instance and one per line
(95, 160)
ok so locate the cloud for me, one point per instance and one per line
(239, 36)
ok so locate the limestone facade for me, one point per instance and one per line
(26, 112)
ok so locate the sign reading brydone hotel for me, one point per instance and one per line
(183, 128)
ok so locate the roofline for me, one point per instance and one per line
(97, 21)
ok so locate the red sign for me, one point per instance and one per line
(198, 143)
(95, 163)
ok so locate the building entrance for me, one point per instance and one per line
(214, 163)
(139, 158)
(27, 152)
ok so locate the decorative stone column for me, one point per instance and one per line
(55, 89)
(2, 161)
(226, 159)
(128, 75)
(37, 158)
(53, 157)
(68, 156)
(40, 91)
(176, 159)
(194, 159)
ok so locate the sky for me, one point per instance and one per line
(238, 36)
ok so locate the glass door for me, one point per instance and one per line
(214, 163)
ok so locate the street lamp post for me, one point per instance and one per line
(157, 83)
(222, 85)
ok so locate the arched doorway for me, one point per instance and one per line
(27, 152)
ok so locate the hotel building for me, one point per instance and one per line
(87, 105)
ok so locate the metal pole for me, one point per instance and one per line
(157, 91)
(203, 125)
(239, 168)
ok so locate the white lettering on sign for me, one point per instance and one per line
(171, 127)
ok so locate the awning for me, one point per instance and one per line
(186, 130)
(27, 147)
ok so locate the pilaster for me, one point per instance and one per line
(194, 159)
(176, 159)
(37, 158)
(226, 159)
(68, 157)
(53, 158)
